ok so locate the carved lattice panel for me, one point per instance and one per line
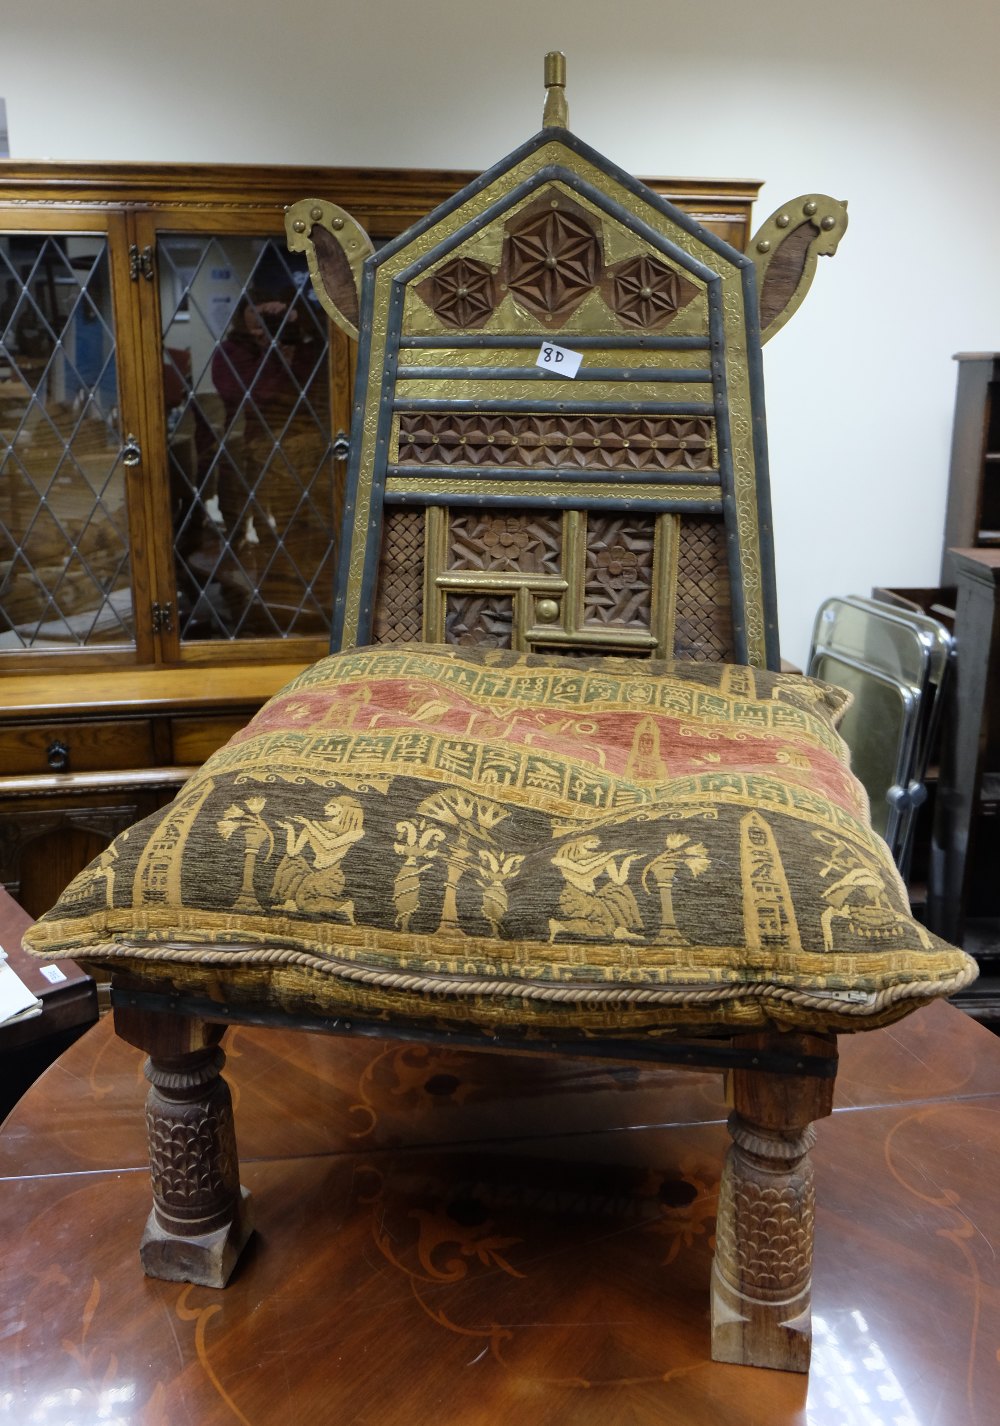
(398, 616)
(703, 615)
(483, 619)
(525, 541)
(619, 570)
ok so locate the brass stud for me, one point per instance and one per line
(645, 292)
(547, 610)
(828, 222)
(763, 246)
(597, 440)
(809, 208)
(316, 213)
(337, 223)
(782, 220)
(298, 226)
(551, 260)
(626, 444)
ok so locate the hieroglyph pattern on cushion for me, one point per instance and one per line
(440, 816)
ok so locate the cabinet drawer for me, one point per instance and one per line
(195, 739)
(75, 747)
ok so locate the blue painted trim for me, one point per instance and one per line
(659, 506)
(554, 173)
(724, 440)
(755, 372)
(488, 340)
(536, 373)
(558, 473)
(550, 408)
(590, 155)
(346, 533)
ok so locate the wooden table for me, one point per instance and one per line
(477, 1239)
(68, 1007)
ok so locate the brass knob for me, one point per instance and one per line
(547, 611)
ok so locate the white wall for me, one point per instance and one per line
(892, 104)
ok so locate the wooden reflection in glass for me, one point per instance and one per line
(246, 396)
(64, 554)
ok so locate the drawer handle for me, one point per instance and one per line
(57, 756)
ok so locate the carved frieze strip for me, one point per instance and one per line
(497, 443)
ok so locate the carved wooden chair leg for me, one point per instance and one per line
(762, 1275)
(201, 1216)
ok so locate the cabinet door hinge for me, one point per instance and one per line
(140, 262)
(163, 618)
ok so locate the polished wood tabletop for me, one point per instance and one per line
(472, 1238)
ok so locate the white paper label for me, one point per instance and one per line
(559, 359)
(52, 974)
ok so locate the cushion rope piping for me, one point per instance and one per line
(632, 995)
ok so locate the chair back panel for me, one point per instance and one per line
(497, 496)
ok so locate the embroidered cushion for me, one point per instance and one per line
(447, 835)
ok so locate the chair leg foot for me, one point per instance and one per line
(207, 1259)
(201, 1218)
(762, 1275)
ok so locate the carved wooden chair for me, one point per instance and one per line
(479, 821)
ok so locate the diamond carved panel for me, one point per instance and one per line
(703, 614)
(483, 619)
(398, 614)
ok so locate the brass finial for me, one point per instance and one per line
(556, 115)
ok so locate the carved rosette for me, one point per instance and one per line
(192, 1144)
(644, 292)
(552, 258)
(764, 1231)
(461, 292)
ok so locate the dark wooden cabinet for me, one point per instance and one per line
(963, 894)
(972, 518)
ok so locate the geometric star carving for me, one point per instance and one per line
(461, 292)
(552, 259)
(644, 292)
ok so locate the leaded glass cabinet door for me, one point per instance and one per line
(245, 411)
(71, 508)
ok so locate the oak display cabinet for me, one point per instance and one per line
(174, 410)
